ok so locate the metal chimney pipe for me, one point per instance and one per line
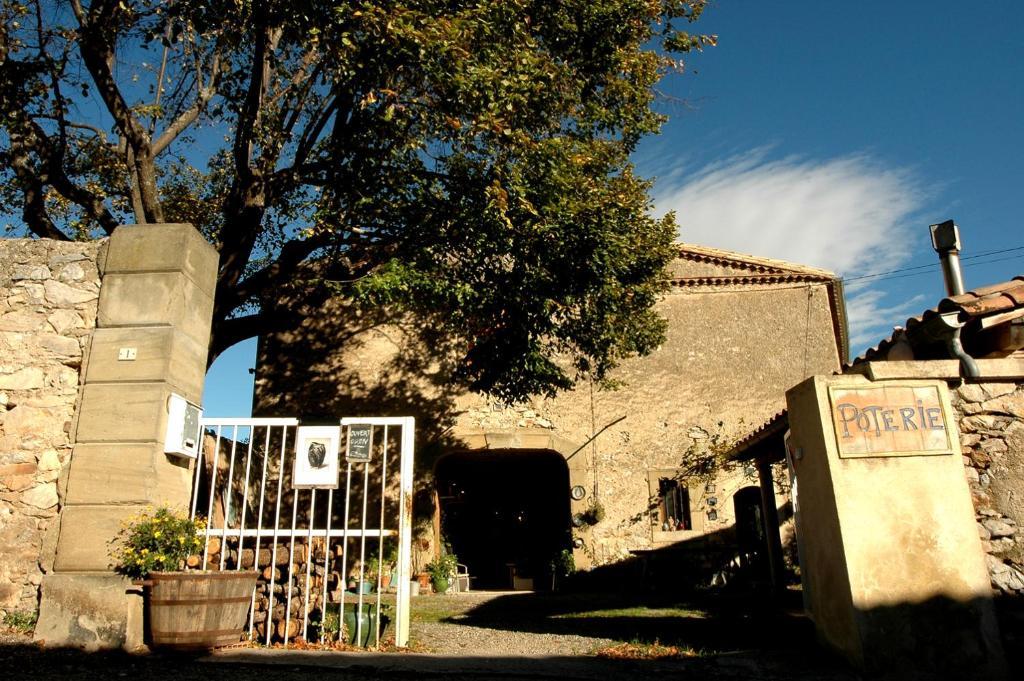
(946, 242)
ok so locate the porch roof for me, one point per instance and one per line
(765, 441)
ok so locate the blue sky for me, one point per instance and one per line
(832, 134)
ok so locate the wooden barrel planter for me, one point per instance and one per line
(199, 609)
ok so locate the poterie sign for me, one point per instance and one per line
(890, 420)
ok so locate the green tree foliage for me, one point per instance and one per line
(466, 162)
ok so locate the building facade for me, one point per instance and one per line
(609, 474)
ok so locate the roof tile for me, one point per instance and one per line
(749, 262)
(973, 304)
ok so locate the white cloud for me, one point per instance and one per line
(870, 319)
(849, 214)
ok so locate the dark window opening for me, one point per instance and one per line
(673, 505)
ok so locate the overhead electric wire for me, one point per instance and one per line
(935, 264)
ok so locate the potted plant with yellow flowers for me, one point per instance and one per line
(184, 609)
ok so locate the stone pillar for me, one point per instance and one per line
(894, 573)
(152, 335)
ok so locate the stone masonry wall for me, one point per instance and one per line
(992, 439)
(727, 360)
(48, 299)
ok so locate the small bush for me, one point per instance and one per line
(593, 515)
(443, 571)
(157, 541)
(563, 564)
(23, 622)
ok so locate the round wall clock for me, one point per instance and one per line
(577, 492)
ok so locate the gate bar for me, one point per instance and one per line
(327, 558)
(300, 532)
(228, 496)
(404, 533)
(277, 524)
(362, 549)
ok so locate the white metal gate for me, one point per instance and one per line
(244, 484)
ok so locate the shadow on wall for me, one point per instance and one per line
(341, 360)
(943, 638)
(715, 559)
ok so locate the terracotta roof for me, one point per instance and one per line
(747, 448)
(987, 300)
(745, 279)
(751, 263)
(969, 307)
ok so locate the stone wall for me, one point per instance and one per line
(992, 438)
(48, 300)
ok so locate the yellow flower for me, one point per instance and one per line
(160, 558)
(144, 552)
(156, 535)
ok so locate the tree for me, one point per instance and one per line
(462, 161)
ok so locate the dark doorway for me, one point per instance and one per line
(505, 512)
(750, 537)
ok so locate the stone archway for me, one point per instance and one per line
(505, 514)
(547, 467)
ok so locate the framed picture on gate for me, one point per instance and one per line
(316, 457)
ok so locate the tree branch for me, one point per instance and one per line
(28, 134)
(133, 182)
(246, 202)
(248, 118)
(160, 78)
(97, 53)
(279, 271)
(189, 116)
(301, 76)
(94, 129)
(76, 7)
(33, 194)
(227, 332)
(311, 132)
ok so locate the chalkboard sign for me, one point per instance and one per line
(360, 439)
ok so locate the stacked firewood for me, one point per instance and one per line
(283, 573)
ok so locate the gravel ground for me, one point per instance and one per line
(446, 639)
(461, 633)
